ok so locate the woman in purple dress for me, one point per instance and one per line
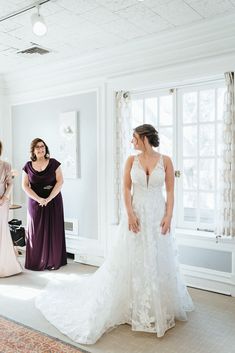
(42, 182)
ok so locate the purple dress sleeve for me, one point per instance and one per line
(56, 163)
(25, 167)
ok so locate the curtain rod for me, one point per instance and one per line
(24, 9)
(176, 85)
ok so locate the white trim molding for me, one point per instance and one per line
(204, 278)
(199, 41)
(86, 251)
(211, 280)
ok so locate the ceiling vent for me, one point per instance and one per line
(34, 50)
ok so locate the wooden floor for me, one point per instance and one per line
(209, 329)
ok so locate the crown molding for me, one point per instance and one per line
(200, 41)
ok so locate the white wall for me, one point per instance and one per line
(5, 124)
(1, 107)
(1, 115)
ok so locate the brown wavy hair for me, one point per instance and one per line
(150, 132)
(32, 147)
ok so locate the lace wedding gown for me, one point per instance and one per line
(139, 283)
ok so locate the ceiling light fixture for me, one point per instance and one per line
(39, 26)
(38, 23)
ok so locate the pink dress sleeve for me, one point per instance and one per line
(8, 180)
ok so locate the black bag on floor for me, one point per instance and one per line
(17, 232)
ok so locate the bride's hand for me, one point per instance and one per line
(166, 224)
(133, 223)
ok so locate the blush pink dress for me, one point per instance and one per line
(9, 264)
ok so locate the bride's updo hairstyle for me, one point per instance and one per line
(150, 132)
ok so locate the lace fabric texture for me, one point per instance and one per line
(139, 282)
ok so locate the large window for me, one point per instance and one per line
(156, 109)
(189, 122)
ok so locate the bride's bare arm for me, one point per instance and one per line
(169, 181)
(133, 221)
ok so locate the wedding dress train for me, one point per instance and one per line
(139, 283)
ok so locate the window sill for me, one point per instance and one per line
(192, 235)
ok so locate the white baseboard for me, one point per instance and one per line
(85, 250)
(203, 278)
(89, 259)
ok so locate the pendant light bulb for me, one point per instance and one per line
(38, 23)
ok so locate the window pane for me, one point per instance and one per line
(207, 174)
(206, 204)
(190, 174)
(199, 142)
(207, 139)
(137, 112)
(206, 200)
(207, 105)
(220, 102)
(190, 206)
(165, 110)
(151, 111)
(190, 107)
(190, 141)
(166, 140)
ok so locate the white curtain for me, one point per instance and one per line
(123, 145)
(226, 205)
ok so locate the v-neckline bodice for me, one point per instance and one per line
(153, 170)
(141, 166)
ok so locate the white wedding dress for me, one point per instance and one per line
(139, 283)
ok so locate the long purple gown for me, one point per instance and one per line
(45, 247)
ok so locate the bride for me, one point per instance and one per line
(139, 283)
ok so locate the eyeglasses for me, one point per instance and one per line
(40, 146)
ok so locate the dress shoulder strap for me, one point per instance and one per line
(136, 158)
(161, 161)
(133, 160)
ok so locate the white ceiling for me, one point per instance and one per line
(80, 27)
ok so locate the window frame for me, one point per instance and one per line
(180, 222)
(177, 133)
